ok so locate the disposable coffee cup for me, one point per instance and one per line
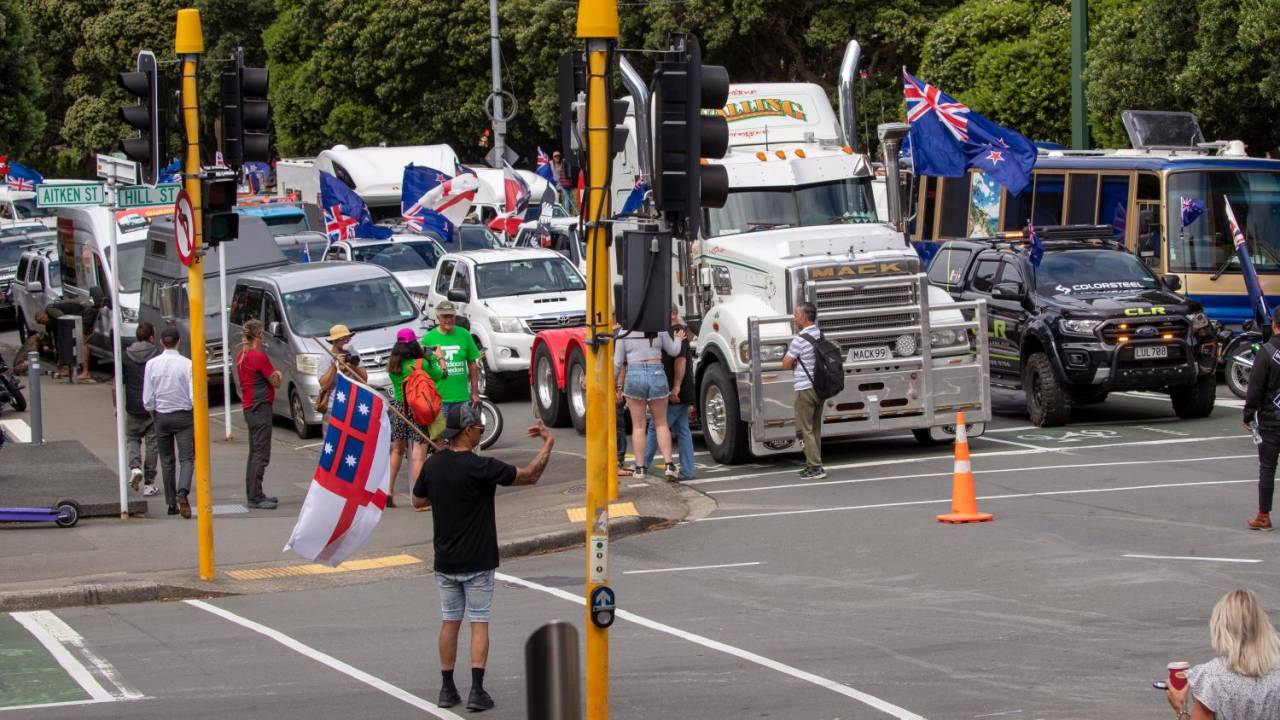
(1178, 675)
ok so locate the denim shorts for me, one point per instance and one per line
(472, 592)
(646, 382)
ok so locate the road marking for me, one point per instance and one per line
(1011, 442)
(68, 703)
(1009, 496)
(691, 567)
(1161, 431)
(616, 510)
(1191, 557)
(1227, 402)
(864, 698)
(17, 429)
(59, 639)
(980, 473)
(326, 659)
(308, 446)
(998, 453)
(386, 561)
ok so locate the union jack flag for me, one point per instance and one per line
(337, 225)
(923, 98)
(21, 177)
(349, 488)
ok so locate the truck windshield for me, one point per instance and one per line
(474, 237)
(359, 304)
(400, 256)
(279, 225)
(303, 248)
(830, 203)
(1092, 272)
(523, 277)
(1205, 244)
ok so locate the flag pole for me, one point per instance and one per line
(390, 406)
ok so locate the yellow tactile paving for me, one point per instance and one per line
(375, 563)
(616, 510)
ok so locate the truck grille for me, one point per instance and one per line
(899, 296)
(1113, 331)
(213, 354)
(375, 359)
(551, 322)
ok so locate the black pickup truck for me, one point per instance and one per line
(1086, 319)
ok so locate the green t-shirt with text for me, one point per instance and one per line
(459, 349)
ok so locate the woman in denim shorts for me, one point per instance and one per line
(642, 382)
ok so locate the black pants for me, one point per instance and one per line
(622, 427)
(176, 428)
(259, 421)
(1268, 451)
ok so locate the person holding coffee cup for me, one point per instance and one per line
(1243, 682)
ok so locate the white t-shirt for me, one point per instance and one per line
(802, 351)
(1235, 697)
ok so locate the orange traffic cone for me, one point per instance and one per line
(964, 504)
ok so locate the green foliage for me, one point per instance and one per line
(21, 118)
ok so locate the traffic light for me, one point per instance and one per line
(220, 221)
(684, 136)
(246, 114)
(146, 117)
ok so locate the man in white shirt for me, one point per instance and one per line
(166, 394)
(801, 358)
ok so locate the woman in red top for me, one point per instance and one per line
(258, 382)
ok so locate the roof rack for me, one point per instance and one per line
(1102, 235)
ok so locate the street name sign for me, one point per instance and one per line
(69, 194)
(136, 196)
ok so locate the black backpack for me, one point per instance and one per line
(828, 375)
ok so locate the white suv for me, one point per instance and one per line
(506, 297)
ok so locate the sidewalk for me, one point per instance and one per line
(156, 556)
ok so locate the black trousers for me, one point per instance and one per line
(259, 420)
(176, 428)
(1268, 451)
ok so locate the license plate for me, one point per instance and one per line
(1150, 352)
(869, 353)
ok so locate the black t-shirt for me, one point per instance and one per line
(461, 486)
(669, 366)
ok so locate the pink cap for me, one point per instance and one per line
(407, 335)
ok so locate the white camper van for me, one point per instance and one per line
(375, 173)
(84, 254)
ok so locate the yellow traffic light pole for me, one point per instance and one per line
(189, 44)
(598, 25)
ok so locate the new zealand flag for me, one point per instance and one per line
(418, 181)
(345, 214)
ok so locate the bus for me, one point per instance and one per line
(1138, 192)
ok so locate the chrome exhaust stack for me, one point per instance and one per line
(891, 135)
(848, 109)
(639, 92)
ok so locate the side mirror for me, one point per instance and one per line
(35, 286)
(1172, 282)
(275, 329)
(457, 295)
(1007, 291)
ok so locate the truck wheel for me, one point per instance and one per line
(493, 384)
(553, 406)
(722, 428)
(924, 438)
(1047, 401)
(298, 414)
(1195, 401)
(575, 389)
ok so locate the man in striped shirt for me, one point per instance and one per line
(801, 358)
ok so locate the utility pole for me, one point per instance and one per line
(598, 25)
(189, 45)
(1079, 43)
(495, 60)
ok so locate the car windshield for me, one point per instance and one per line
(289, 224)
(1204, 244)
(1092, 272)
(475, 237)
(400, 256)
(748, 210)
(359, 304)
(523, 277)
(11, 251)
(131, 255)
(299, 249)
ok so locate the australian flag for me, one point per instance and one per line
(546, 169)
(948, 138)
(345, 214)
(349, 489)
(21, 177)
(418, 181)
(1256, 300)
(1191, 209)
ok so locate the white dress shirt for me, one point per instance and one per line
(166, 383)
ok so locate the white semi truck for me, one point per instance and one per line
(800, 224)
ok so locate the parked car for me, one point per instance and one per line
(564, 239)
(298, 235)
(469, 236)
(38, 282)
(15, 240)
(507, 296)
(411, 258)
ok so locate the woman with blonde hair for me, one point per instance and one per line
(1243, 682)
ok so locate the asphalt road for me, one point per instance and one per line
(841, 598)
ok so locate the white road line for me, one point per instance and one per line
(1010, 496)
(308, 445)
(1191, 557)
(975, 456)
(845, 690)
(40, 626)
(1010, 442)
(980, 473)
(691, 567)
(41, 706)
(1226, 402)
(325, 659)
(63, 633)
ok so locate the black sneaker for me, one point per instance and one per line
(448, 697)
(479, 700)
(817, 473)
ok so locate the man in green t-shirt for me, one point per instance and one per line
(460, 354)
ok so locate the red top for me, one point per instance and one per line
(254, 367)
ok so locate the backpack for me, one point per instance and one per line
(828, 374)
(421, 396)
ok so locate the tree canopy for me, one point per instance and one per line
(21, 118)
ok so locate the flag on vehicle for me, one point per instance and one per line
(451, 198)
(546, 169)
(345, 214)
(635, 200)
(172, 172)
(544, 221)
(948, 138)
(21, 177)
(1191, 209)
(418, 181)
(1257, 302)
(306, 251)
(349, 488)
(1037, 245)
(4, 165)
(515, 190)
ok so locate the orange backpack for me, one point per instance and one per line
(421, 396)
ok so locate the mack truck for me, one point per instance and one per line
(799, 224)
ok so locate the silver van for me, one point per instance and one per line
(297, 305)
